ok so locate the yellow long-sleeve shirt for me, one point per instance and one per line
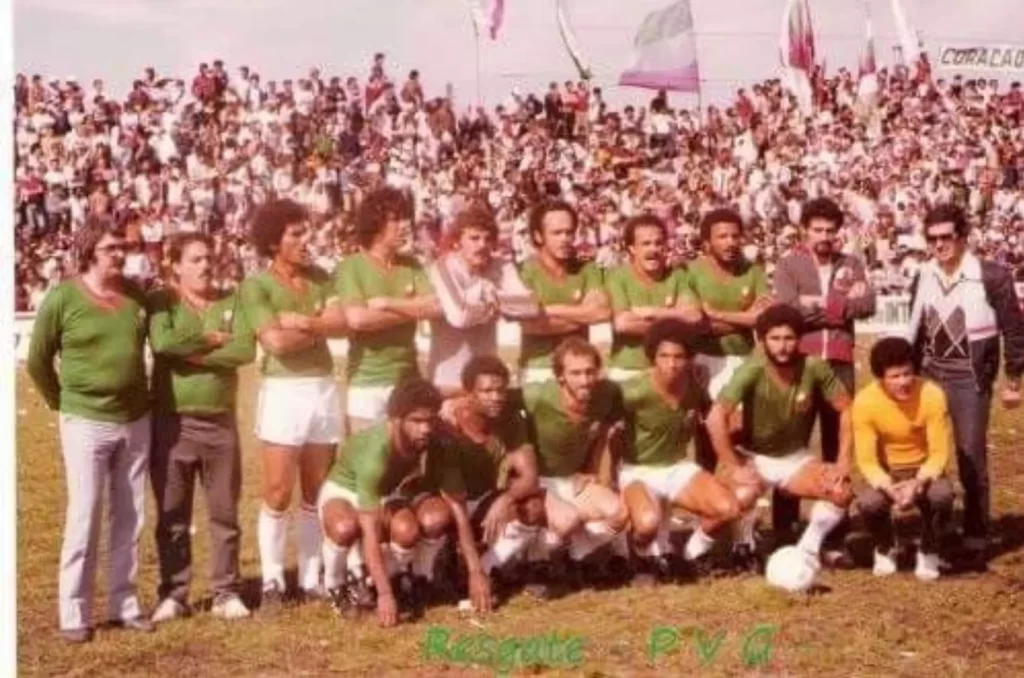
(890, 435)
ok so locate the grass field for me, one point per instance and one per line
(859, 626)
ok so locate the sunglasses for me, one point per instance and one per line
(941, 237)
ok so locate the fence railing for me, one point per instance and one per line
(892, 312)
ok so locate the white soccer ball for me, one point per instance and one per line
(791, 569)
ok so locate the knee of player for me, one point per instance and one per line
(940, 494)
(726, 507)
(873, 502)
(404, 530)
(746, 496)
(841, 497)
(619, 518)
(434, 517)
(341, 527)
(645, 524)
(277, 496)
(531, 511)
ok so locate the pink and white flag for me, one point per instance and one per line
(796, 51)
(487, 16)
(666, 51)
(867, 77)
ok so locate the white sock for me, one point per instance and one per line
(308, 538)
(593, 536)
(272, 535)
(426, 555)
(824, 517)
(399, 558)
(620, 545)
(699, 543)
(335, 564)
(514, 538)
(743, 528)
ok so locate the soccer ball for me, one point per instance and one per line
(791, 569)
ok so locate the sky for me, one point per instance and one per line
(737, 40)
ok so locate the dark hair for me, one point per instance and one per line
(269, 222)
(375, 210)
(484, 365)
(721, 215)
(941, 214)
(573, 346)
(411, 395)
(890, 352)
(672, 330)
(779, 315)
(477, 216)
(640, 221)
(89, 236)
(544, 208)
(821, 208)
(177, 244)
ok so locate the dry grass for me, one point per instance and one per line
(967, 625)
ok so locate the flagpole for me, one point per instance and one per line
(477, 46)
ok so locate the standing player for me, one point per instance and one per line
(497, 461)
(832, 291)
(730, 291)
(576, 419)
(293, 309)
(474, 290)
(776, 388)
(642, 291)
(199, 341)
(663, 408)
(365, 504)
(97, 324)
(570, 292)
(385, 294)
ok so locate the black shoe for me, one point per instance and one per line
(543, 581)
(76, 636)
(408, 590)
(140, 624)
(272, 600)
(837, 559)
(745, 560)
(318, 594)
(343, 602)
(363, 595)
(617, 571)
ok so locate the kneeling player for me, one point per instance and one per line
(663, 407)
(904, 440)
(575, 419)
(489, 430)
(365, 498)
(776, 387)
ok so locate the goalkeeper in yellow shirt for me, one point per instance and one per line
(903, 439)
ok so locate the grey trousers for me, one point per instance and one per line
(935, 505)
(97, 453)
(186, 448)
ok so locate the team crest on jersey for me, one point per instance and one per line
(409, 289)
(577, 295)
(803, 403)
(227, 316)
(670, 300)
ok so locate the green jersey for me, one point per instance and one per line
(381, 357)
(536, 350)
(563, 444)
(483, 463)
(722, 291)
(368, 467)
(102, 354)
(777, 419)
(657, 432)
(627, 290)
(264, 295)
(207, 383)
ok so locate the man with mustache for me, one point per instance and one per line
(776, 387)
(570, 292)
(199, 340)
(832, 291)
(643, 291)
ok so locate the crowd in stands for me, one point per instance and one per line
(176, 155)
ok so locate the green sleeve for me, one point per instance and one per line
(760, 281)
(346, 283)
(689, 286)
(166, 337)
(241, 350)
(826, 381)
(368, 479)
(518, 431)
(44, 346)
(255, 304)
(593, 279)
(742, 381)
(615, 285)
(420, 282)
(681, 286)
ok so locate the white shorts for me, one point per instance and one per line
(368, 402)
(296, 411)
(619, 375)
(777, 471)
(562, 488)
(332, 490)
(535, 375)
(664, 482)
(720, 369)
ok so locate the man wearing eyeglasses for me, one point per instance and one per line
(960, 307)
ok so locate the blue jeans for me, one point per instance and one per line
(969, 408)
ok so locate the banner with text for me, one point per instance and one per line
(982, 57)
